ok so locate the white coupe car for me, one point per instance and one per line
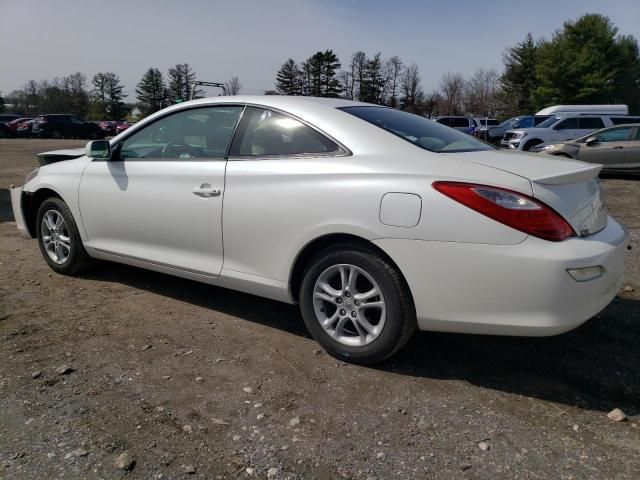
(376, 221)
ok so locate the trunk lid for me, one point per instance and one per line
(570, 187)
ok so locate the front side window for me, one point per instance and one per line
(525, 122)
(568, 124)
(187, 134)
(614, 135)
(591, 123)
(268, 133)
(418, 130)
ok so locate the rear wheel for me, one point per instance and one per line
(59, 239)
(356, 304)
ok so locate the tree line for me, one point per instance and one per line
(584, 62)
(104, 98)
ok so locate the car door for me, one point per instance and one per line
(159, 199)
(587, 125)
(272, 189)
(566, 129)
(608, 149)
(632, 152)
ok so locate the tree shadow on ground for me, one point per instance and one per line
(596, 367)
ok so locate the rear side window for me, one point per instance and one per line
(623, 120)
(615, 134)
(444, 121)
(591, 123)
(568, 124)
(267, 133)
(460, 122)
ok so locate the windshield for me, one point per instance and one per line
(420, 131)
(549, 121)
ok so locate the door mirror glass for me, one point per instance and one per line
(592, 140)
(98, 149)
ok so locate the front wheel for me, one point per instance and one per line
(356, 304)
(59, 239)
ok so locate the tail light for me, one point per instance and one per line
(509, 208)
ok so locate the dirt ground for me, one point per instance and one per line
(192, 381)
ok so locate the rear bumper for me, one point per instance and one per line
(16, 205)
(521, 289)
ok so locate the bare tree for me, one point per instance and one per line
(412, 93)
(480, 92)
(233, 86)
(452, 89)
(393, 67)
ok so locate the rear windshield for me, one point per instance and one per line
(420, 131)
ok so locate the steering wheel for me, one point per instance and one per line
(175, 149)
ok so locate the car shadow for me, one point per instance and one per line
(595, 367)
(6, 213)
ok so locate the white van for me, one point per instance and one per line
(597, 109)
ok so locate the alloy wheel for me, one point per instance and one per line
(349, 305)
(55, 237)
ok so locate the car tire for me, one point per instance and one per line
(530, 144)
(59, 239)
(388, 326)
(563, 155)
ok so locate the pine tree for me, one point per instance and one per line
(108, 96)
(319, 73)
(288, 79)
(372, 86)
(181, 79)
(151, 91)
(519, 81)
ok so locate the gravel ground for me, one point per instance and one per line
(129, 373)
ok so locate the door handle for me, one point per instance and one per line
(206, 190)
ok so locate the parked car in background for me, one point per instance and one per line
(494, 134)
(122, 126)
(559, 128)
(65, 126)
(462, 123)
(5, 131)
(8, 117)
(108, 127)
(15, 126)
(617, 149)
(24, 130)
(306, 193)
(602, 109)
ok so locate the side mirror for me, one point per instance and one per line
(98, 149)
(592, 140)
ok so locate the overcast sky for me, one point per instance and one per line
(41, 39)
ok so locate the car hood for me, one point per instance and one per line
(54, 156)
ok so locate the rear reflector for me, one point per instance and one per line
(510, 208)
(586, 273)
